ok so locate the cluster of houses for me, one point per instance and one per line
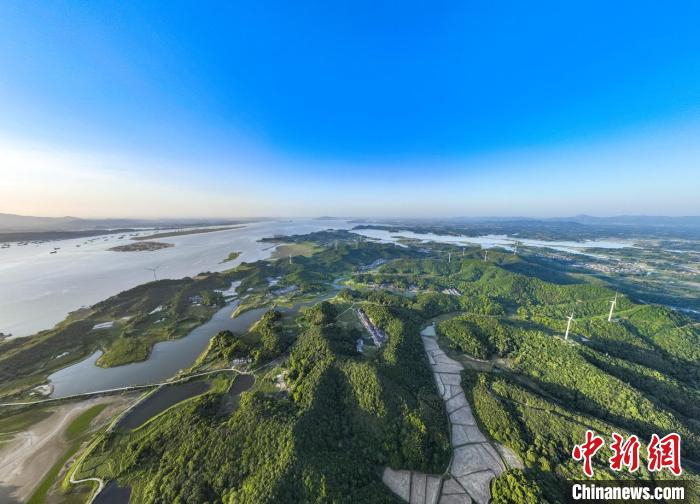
(378, 336)
(281, 381)
(451, 291)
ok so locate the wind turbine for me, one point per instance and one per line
(486, 254)
(515, 250)
(290, 258)
(449, 257)
(612, 307)
(462, 251)
(155, 278)
(568, 326)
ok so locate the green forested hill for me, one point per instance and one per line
(344, 415)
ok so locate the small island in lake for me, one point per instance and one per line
(231, 257)
(144, 246)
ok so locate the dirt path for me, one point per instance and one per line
(28, 457)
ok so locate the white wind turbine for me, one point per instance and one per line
(153, 270)
(613, 303)
(568, 326)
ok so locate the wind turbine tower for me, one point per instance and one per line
(449, 257)
(290, 258)
(462, 251)
(486, 255)
(568, 326)
(612, 307)
(515, 250)
(153, 270)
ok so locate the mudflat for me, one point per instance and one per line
(26, 458)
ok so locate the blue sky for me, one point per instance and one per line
(349, 108)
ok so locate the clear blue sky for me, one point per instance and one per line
(388, 108)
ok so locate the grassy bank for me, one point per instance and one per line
(125, 327)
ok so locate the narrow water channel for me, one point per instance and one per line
(160, 400)
(113, 494)
(166, 359)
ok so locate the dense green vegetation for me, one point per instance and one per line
(637, 374)
(223, 348)
(327, 439)
(272, 340)
(325, 424)
(514, 487)
(480, 336)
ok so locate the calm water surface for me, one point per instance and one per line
(489, 241)
(160, 400)
(167, 358)
(38, 289)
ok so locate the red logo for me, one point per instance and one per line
(665, 453)
(586, 451)
(624, 454)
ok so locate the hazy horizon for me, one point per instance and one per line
(387, 218)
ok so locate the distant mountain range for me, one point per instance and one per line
(633, 220)
(587, 220)
(618, 220)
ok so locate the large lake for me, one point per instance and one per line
(490, 241)
(38, 289)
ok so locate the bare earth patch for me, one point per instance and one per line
(32, 452)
